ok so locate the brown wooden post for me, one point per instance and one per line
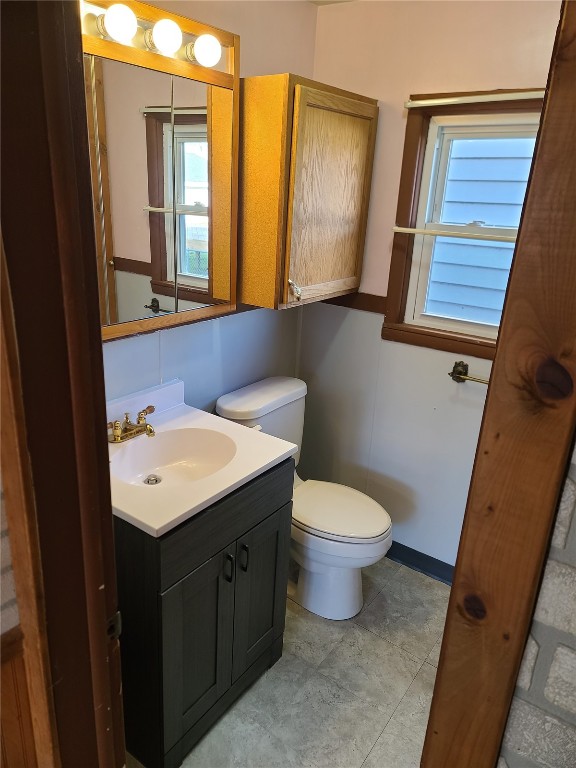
(526, 436)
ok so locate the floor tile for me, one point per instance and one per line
(236, 741)
(376, 578)
(413, 710)
(311, 637)
(371, 668)
(409, 613)
(131, 762)
(268, 698)
(327, 726)
(397, 747)
(434, 655)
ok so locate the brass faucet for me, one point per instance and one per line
(126, 430)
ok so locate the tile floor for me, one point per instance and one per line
(345, 694)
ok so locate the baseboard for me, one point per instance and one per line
(437, 569)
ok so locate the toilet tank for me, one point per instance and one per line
(275, 404)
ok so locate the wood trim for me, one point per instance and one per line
(18, 744)
(98, 143)
(456, 94)
(151, 324)
(11, 644)
(367, 302)
(21, 517)
(185, 292)
(134, 266)
(417, 126)
(445, 341)
(49, 143)
(528, 427)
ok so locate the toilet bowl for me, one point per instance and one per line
(336, 530)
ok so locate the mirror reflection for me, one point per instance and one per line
(156, 139)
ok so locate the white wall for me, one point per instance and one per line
(381, 416)
(212, 357)
(386, 419)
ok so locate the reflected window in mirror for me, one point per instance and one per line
(191, 185)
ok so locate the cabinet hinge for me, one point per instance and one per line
(114, 627)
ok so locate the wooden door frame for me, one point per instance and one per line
(50, 255)
(528, 427)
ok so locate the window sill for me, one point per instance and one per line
(185, 292)
(458, 343)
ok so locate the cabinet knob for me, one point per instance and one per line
(296, 290)
(245, 551)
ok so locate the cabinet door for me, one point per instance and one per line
(197, 629)
(261, 582)
(330, 174)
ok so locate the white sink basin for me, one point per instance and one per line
(198, 458)
(175, 456)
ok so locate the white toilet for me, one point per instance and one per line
(336, 530)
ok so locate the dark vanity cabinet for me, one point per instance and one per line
(202, 614)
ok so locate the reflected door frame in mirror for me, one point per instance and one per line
(96, 41)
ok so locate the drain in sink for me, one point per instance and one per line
(153, 480)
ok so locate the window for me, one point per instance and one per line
(464, 179)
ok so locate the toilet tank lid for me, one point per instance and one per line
(260, 398)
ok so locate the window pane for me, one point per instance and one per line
(195, 172)
(486, 181)
(468, 279)
(194, 245)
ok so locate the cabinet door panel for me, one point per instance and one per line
(261, 581)
(197, 626)
(330, 174)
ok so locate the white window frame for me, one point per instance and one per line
(181, 132)
(517, 124)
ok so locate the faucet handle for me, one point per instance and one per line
(116, 428)
(142, 414)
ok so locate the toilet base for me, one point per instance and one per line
(333, 593)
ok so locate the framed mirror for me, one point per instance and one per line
(163, 136)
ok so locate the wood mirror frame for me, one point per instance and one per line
(230, 80)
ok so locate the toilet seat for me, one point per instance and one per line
(324, 509)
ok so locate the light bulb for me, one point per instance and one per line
(120, 23)
(207, 50)
(167, 36)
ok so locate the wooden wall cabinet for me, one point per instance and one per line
(305, 172)
(202, 614)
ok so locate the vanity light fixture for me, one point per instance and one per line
(119, 22)
(165, 37)
(205, 50)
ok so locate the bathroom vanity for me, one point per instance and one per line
(202, 614)
(202, 567)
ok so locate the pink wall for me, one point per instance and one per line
(274, 36)
(389, 50)
(127, 90)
